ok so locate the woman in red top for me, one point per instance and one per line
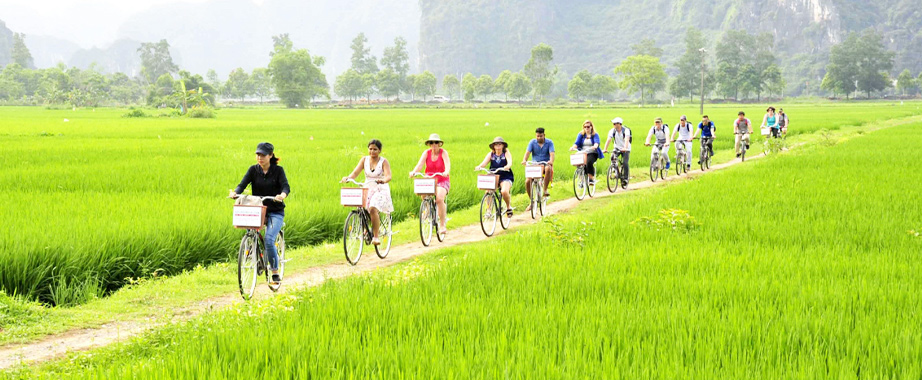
(436, 161)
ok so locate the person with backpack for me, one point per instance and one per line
(707, 129)
(661, 131)
(684, 130)
(783, 121)
(742, 127)
(621, 135)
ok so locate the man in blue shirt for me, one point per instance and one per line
(541, 149)
(707, 129)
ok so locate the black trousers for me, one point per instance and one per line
(590, 163)
(627, 163)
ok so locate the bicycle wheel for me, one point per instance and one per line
(535, 197)
(386, 232)
(590, 184)
(280, 247)
(742, 152)
(613, 177)
(653, 171)
(353, 239)
(702, 160)
(679, 164)
(434, 211)
(542, 205)
(504, 220)
(425, 223)
(579, 188)
(246, 266)
(662, 167)
(488, 214)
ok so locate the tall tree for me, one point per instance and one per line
(580, 86)
(484, 86)
(502, 79)
(641, 73)
(397, 59)
(362, 60)
(388, 83)
(349, 85)
(874, 62)
(156, 60)
(369, 86)
(20, 52)
(691, 65)
(905, 82)
(214, 81)
(539, 69)
(260, 83)
(237, 86)
(451, 85)
(469, 86)
(425, 83)
(296, 75)
(602, 86)
(647, 46)
(519, 86)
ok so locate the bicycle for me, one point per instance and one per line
(744, 145)
(706, 153)
(428, 211)
(534, 171)
(581, 183)
(357, 229)
(681, 157)
(251, 260)
(616, 172)
(658, 163)
(491, 203)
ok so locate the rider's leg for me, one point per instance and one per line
(375, 221)
(625, 174)
(590, 165)
(528, 182)
(274, 221)
(688, 152)
(736, 144)
(440, 194)
(505, 188)
(548, 177)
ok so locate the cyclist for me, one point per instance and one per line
(500, 158)
(742, 127)
(683, 129)
(707, 129)
(661, 131)
(542, 150)
(621, 135)
(770, 120)
(268, 180)
(783, 121)
(587, 141)
(377, 175)
(436, 160)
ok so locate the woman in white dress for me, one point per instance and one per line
(377, 175)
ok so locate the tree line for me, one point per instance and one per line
(741, 66)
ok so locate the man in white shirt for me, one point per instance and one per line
(683, 129)
(661, 131)
(742, 127)
(621, 135)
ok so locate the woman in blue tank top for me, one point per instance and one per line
(500, 158)
(771, 120)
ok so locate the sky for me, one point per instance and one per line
(86, 22)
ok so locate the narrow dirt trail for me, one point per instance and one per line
(85, 339)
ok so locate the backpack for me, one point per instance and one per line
(625, 128)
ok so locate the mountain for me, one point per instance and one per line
(49, 51)
(6, 44)
(486, 37)
(121, 56)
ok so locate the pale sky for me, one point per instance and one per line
(85, 22)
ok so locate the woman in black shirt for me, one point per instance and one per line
(268, 180)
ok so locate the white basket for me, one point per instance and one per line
(488, 182)
(534, 171)
(578, 159)
(353, 196)
(249, 216)
(765, 131)
(424, 186)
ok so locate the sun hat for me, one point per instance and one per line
(659, 119)
(499, 140)
(265, 148)
(434, 137)
(617, 120)
(683, 118)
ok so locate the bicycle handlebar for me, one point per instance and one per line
(536, 163)
(424, 175)
(492, 171)
(260, 198)
(350, 180)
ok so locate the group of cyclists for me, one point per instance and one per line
(267, 178)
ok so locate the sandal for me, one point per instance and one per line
(508, 212)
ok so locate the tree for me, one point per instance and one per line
(602, 86)
(388, 83)
(260, 83)
(500, 83)
(362, 60)
(905, 82)
(20, 52)
(237, 86)
(539, 70)
(369, 86)
(469, 86)
(519, 86)
(691, 65)
(156, 60)
(647, 46)
(425, 84)
(451, 85)
(580, 86)
(874, 62)
(213, 80)
(774, 82)
(411, 88)
(397, 59)
(484, 86)
(295, 74)
(349, 85)
(641, 73)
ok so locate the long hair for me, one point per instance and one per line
(591, 129)
(274, 160)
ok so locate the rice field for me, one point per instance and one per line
(102, 199)
(803, 265)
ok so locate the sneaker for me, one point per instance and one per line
(508, 212)
(376, 241)
(591, 182)
(276, 279)
(667, 166)
(737, 155)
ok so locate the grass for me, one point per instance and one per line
(112, 199)
(784, 273)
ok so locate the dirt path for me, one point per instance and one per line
(85, 339)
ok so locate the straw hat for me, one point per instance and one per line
(499, 140)
(434, 137)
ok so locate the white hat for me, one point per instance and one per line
(617, 120)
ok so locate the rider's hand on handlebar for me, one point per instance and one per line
(646, 144)
(413, 174)
(344, 180)
(233, 195)
(478, 167)
(280, 198)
